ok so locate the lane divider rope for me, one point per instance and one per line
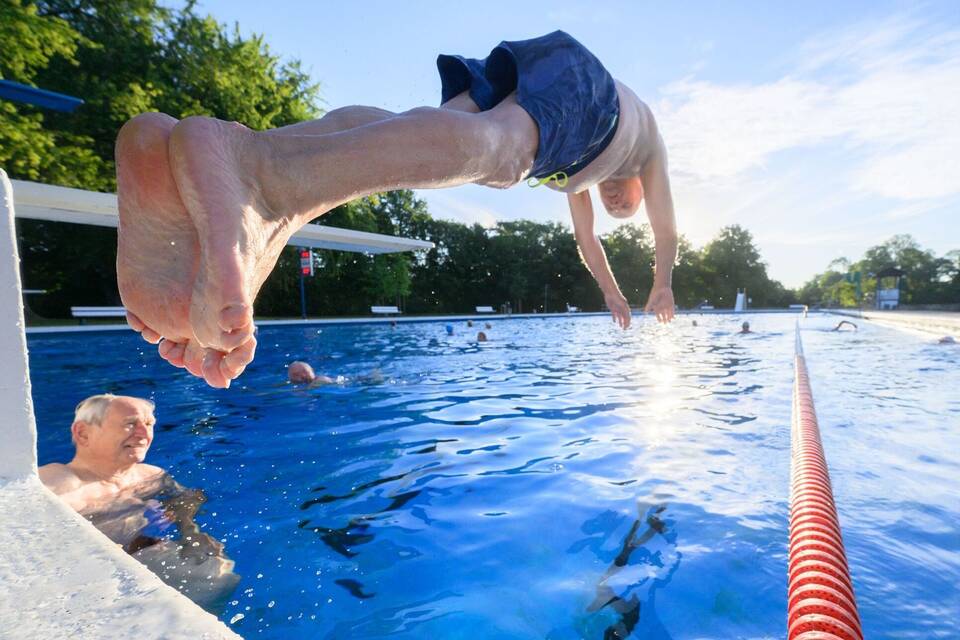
(820, 599)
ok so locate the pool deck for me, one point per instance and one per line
(940, 323)
(61, 578)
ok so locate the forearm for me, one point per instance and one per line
(662, 219)
(593, 256)
(665, 252)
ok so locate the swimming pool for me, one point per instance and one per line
(563, 480)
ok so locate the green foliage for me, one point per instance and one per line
(122, 57)
(927, 280)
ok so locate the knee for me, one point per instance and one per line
(357, 116)
(513, 147)
(145, 133)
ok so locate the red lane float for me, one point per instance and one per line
(820, 600)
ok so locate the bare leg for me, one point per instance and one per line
(247, 193)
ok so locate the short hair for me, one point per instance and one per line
(93, 409)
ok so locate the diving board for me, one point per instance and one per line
(36, 201)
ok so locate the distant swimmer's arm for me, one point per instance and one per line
(656, 187)
(581, 210)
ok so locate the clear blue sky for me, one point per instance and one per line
(822, 127)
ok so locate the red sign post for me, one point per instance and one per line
(306, 269)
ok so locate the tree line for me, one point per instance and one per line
(125, 57)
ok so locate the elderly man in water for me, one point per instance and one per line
(206, 206)
(138, 505)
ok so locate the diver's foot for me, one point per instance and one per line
(158, 251)
(215, 167)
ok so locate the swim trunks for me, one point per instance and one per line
(564, 88)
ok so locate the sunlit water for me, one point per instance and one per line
(563, 480)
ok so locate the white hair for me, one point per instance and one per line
(93, 409)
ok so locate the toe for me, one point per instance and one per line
(237, 360)
(231, 340)
(235, 316)
(172, 352)
(150, 335)
(193, 358)
(211, 369)
(135, 323)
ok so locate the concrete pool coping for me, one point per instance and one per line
(59, 576)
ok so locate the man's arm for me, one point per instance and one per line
(182, 508)
(656, 186)
(581, 210)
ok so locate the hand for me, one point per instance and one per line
(660, 302)
(618, 308)
(199, 547)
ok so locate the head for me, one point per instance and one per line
(487, 325)
(621, 196)
(469, 323)
(481, 337)
(113, 431)
(745, 327)
(694, 323)
(298, 372)
(947, 340)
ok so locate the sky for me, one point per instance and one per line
(824, 128)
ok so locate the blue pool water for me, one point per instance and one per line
(564, 480)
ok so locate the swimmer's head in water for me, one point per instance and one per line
(299, 372)
(481, 337)
(947, 340)
(745, 327)
(621, 196)
(111, 429)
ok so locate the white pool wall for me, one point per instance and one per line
(59, 576)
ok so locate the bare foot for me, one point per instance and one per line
(158, 253)
(240, 235)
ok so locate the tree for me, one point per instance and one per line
(123, 57)
(927, 280)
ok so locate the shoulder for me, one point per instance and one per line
(59, 478)
(151, 473)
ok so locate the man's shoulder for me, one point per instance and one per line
(59, 478)
(150, 472)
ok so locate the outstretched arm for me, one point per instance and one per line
(656, 186)
(581, 210)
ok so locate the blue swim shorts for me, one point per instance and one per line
(564, 88)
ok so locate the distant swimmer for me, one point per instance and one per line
(695, 323)
(299, 372)
(138, 505)
(481, 337)
(745, 328)
(206, 206)
(947, 340)
(843, 323)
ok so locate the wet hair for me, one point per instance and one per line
(93, 409)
